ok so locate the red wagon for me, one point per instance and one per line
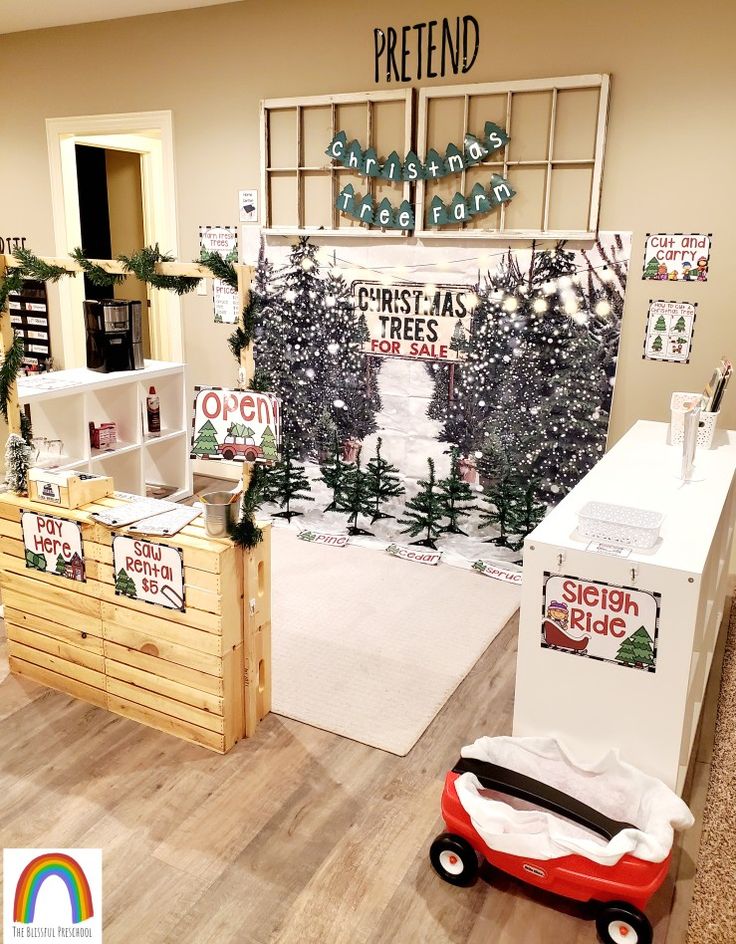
(619, 891)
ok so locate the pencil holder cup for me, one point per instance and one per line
(706, 427)
(220, 513)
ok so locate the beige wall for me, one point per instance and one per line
(671, 146)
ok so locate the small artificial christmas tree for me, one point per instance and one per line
(206, 440)
(455, 494)
(383, 482)
(502, 496)
(526, 513)
(334, 473)
(424, 511)
(125, 584)
(289, 483)
(17, 461)
(637, 649)
(355, 497)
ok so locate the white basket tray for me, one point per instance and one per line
(706, 428)
(619, 524)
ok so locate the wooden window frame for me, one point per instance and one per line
(329, 167)
(553, 85)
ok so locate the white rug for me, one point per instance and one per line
(371, 647)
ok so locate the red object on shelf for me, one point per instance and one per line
(631, 880)
(104, 435)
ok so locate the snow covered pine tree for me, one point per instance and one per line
(383, 483)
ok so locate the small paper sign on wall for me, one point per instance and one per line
(677, 257)
(147, 571)
(600, 621)
(53, 545)
(670, 328)
(222, 240)
(235, 425)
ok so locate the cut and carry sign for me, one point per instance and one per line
(600, 621)
(148, 571)
(235, 425)
(416, 320)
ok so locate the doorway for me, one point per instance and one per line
(137, 150)
(111, 218)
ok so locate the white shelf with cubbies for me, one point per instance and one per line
(62, 405)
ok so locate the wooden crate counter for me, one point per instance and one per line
(202, 674)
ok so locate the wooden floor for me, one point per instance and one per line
(296, 835)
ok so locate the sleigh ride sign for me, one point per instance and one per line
(415, 320)
(148, 571)
(235, 425)
(600, 621)
(53, 545)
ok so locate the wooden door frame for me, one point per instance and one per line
(150, 133)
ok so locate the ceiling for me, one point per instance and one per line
(18, 15)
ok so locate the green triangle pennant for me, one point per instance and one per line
(458, 209)
(413, 168)
(384, 214)
(364, 210)
(437, 213)
(345, 202)
(354, 157)
(478, 201)
(434, 165)
(337, 146)
(392, 169)
(454, 159)
(371, 167)
(501, 190)
(475, 152)
(494, 137)
(405, 216)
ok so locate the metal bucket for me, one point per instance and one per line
(220, 513)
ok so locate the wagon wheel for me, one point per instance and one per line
(454, 859)
(621, 923)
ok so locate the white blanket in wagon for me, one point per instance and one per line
(612, 787)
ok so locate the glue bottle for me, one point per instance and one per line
(153, 411)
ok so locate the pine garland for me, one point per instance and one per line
(9, 370)
(245, 332)
(142, 265)
(95, 273)
(246, 533)
(12, 281)
(221, 268)
(35, 268)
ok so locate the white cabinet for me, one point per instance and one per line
(64, 403)
(603, 696)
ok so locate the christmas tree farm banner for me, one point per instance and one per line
(437, 396)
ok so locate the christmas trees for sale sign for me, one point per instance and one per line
(423, 321)
(600, 621)
(235, 425)
(148, 571)
(53, 545)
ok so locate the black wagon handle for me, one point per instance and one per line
(512, 783)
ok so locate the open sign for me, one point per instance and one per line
(236, 425)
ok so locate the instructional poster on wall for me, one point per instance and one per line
(223, 240)
(669, 332)
(440, 396)
(677, 257)
(53, 545)
(600, 621)
(147, 571)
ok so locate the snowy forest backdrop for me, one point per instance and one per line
(465, 456)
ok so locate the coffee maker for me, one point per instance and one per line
(114, 334)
